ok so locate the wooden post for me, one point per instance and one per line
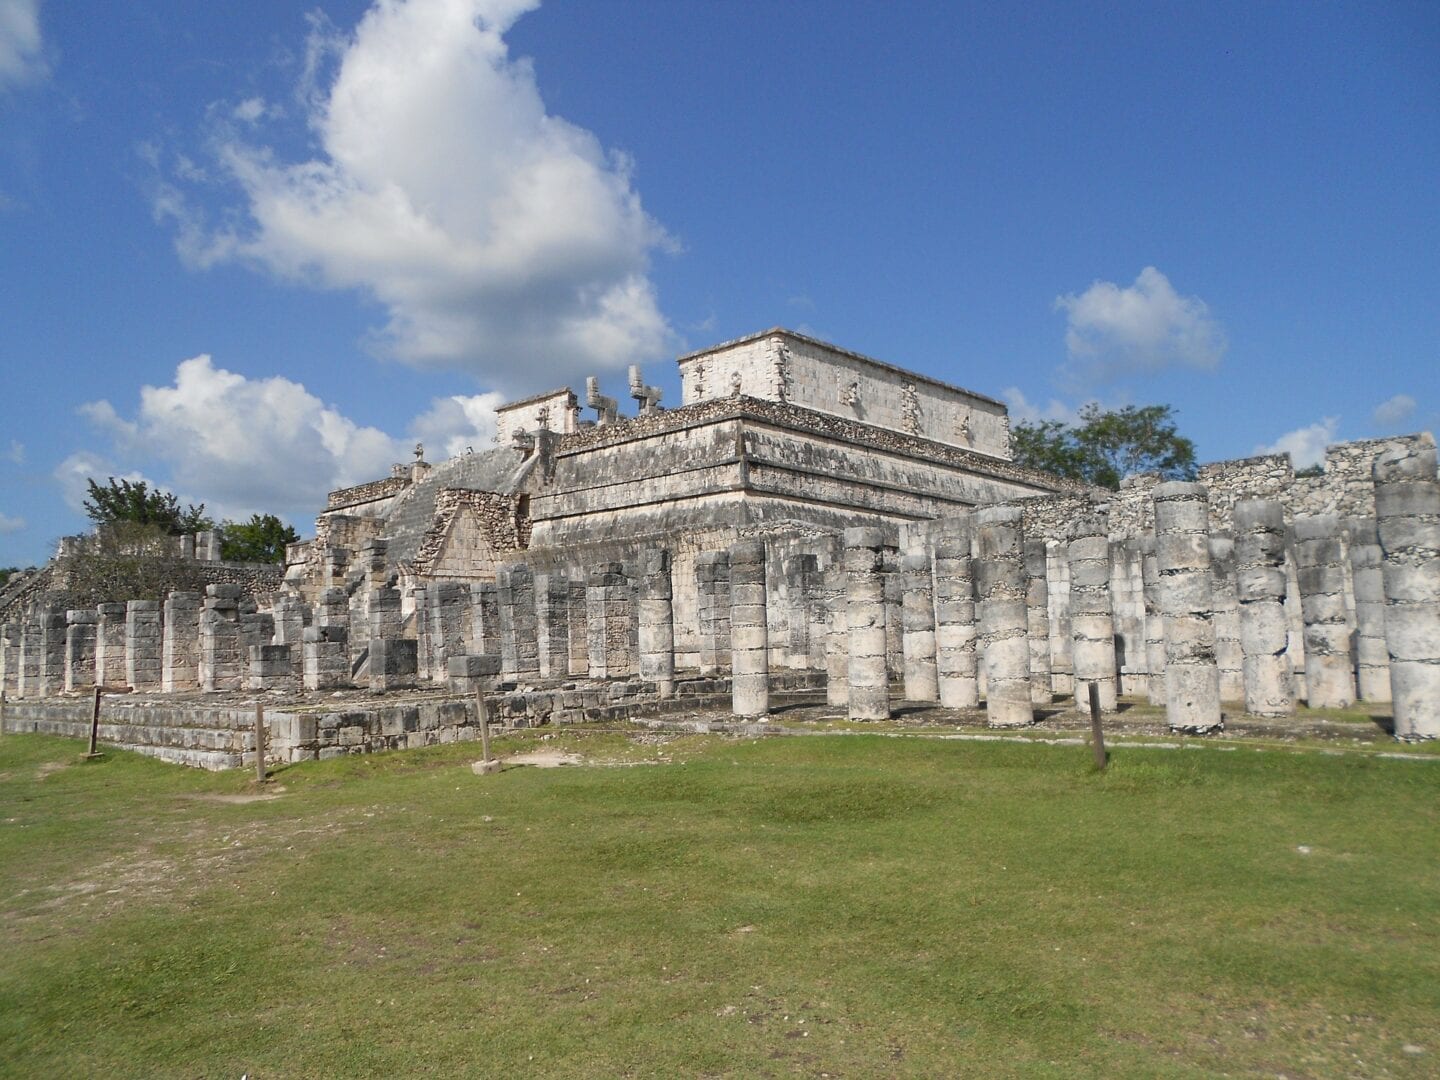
(259, 742)
(95, 727)
(1097, 734)
(486, 764)
(484, 716)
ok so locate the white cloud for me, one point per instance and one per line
(501, 239)
(10, 524)
(1145, 327)
(16, 453)
(1394, 411)
(240, 445)
(258, 445)
(1306, 445)
(453, 425)
(21, 58)
(1023, 410)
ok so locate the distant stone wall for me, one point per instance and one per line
(365, 493)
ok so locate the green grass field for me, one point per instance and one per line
(834, 906)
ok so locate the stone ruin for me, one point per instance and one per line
(808, 518)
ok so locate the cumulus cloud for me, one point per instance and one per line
(240, 445)
(258, 445)
(10, 524)
(1306, 445)
(1144, 327)
(1393, 411)
(21, 56)
(453, 425)
(501, 239)
(1023, 410)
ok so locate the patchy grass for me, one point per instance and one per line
(846, 906)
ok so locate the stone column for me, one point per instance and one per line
(10, 658)
(578, 622)
(1372, 661)
(270, 668)
(1154, 623)
(81, 625)
(1003, 640)
(607, 616)
(657, 622)
(383, 613)
(1128, 616)
(1037, 621)
(180, 643)
(449, 614)
(956, 659)
(1407, 507)
(485, 618)
(712, 601)
(837, 638)
(922, 680)
(424, 632)
(867, 678)
(1092, 622)
(1260, 591)
(52, 652)
(1182, 551)
(801, 581)
(1062, 640)
(552, 608)
(289, 611)
(894, 606)
(110, 644)
(1229, 656)
(142, 645)
(749, 633)
(222, 662)
(519, 623)
(1322, 568)
(27, 665)
(327, 656)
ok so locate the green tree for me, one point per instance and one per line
(261, 539)
(134, 502)
(1105, 446)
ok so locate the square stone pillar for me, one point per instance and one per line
(868, 677)
(1037, 621)
(143, 669)
(918, 629)
(327, 657)
(110, 644)
(450, 618)
(712, 596)
(1003, 633)
(552, 608)
(608, 616)
(180, 643)
(657, 621)
(579, 634)
(80, 630)
(484, 619)
(223, 661)
(749, 630)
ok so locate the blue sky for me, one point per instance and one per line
(250, 253)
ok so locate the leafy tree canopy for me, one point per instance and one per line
(134, 502)
(1106, 446)
(261, 539)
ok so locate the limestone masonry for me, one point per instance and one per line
(807, 517)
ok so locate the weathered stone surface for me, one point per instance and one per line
(918, 625)
(867, 677)
(1003, 639)
(1407, 508)
(1322, 570)
(1182, 552)
(749, 640)
(1260, 592)
(1091, 623)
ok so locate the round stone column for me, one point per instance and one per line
(1321, 567)
(1182, 553)
(918, 613)
(749, 636)
(657, 622)
(1407, 509)
(1092, 622)
(1003, 637)
(955, 623)
(1260, 590)
(868, 681)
